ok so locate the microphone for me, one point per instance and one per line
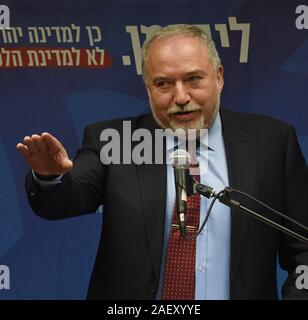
(180, 161)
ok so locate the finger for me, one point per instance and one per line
(23, 149)
(51, 142)
(30, 144)
(39, 143)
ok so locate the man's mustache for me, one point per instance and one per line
(186, 108)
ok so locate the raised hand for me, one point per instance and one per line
(45, 154)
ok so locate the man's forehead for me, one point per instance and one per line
(184, 64)
(186, 74)
(177, 56)
(177, 51)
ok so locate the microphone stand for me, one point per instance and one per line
(225, 198)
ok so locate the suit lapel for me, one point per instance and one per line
(240, 149)
(153, 188)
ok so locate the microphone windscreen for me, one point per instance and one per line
(180, 157)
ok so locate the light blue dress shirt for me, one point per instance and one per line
(213, 243)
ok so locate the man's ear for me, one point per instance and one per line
(220, 77)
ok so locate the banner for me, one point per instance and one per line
(66, 64)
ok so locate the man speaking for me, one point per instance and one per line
(142, 254)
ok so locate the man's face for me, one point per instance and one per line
(182, 85)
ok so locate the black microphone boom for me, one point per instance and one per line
(224, 196)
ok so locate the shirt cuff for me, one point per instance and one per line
(47, 183)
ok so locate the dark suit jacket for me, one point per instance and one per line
(264, 160)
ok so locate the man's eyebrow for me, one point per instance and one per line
(196, 72)
(158, 79)
(188, 74)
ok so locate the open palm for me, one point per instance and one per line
(45, 154)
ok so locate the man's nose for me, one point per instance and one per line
(181, 94)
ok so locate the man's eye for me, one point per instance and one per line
(194, 78)
(161, 84)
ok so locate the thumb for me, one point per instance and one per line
(67, 164)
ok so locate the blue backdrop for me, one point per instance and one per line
(45, 87)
